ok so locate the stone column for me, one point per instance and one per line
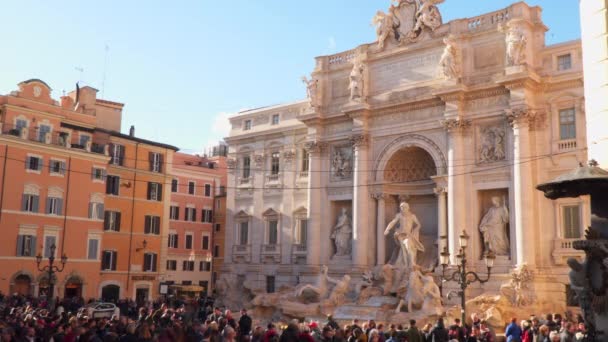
(380, 226)
(360, 199)
(229, 228)
(456, 182)
(289, 173)
(442, 216)
(523, 191)
(594, 33)
(313, 256)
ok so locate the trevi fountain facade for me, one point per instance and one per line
(341, 203)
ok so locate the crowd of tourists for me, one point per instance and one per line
(31, 320)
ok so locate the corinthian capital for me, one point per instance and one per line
(315, 146)
(379, 196)
(456, 125)
(440, 190)
(359, 140)
(519, 116)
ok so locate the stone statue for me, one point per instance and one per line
(404, 14)
(311, 90)
(342, 234)
(493, 145)
(406, 237)
(517, 289)
(411, 292)
(432, 296)
(493, 227)
(384, 23)
(356, 80)
(449, 63)
(428, 15)
(341, 164)
(338, 293)
(387, 274)
(319, 291)
(516, 45)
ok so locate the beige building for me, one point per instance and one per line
(445, 116)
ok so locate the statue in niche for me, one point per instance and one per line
(493, 145)
(341, 234)
(407, 237)
(356, 80)
(341, 163)
(311, 90)
(449, 63)
(493, 227)
(516, 45)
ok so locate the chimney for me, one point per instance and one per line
(132, 131)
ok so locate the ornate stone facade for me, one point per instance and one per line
(401, 131)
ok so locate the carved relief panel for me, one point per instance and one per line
(491, 143)
(341, 163)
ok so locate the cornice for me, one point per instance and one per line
(48, 148)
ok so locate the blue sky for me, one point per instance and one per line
(181, 67)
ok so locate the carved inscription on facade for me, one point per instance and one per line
(487, 56)
(402, 70)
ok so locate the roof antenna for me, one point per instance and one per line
(81, 71)
(105, 65)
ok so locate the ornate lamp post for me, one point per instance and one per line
(463, 277)
(51, 269)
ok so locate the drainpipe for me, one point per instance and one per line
(65, 211)
(3, 179)
(132, 217)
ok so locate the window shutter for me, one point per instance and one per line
(121, 148)
(109, 185)
(93, 173)
(159, 193)
(100, 211)
(193, 214)
(104, 260)
(91, 210)
(39, 168)
(210, 216)
(118, 216)
(149, 191)
(146, 262)
(160, 162)
(63, 168)
(200, 266)
(103, 174)
(35, 203)
(184, 266)
(106, 220)
(151, 160)
(112, 147)
(27, 162)
(157, 225)
(20, 245)
(154, 262)
(24, 202)
(32, 246)
(60, 206)
(177, 213)
(114, 259)
(47, 208)
(147, 225)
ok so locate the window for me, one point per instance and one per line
(57, 167)
(84, 139)
(152, 225)
(190, 214)
(111, 221)
(275, 119)
(207, 216)
(98, 174)
(93, 247)
(171, 265)
(301, 232)
(112, 185)
(30, 203)
(20, 123)
(33, 163)
(174, 212)
(274, 163)
(26, 245)
(216, 251)
(567, 124)
(189, 241)
(204, 266)
(150, 260)
(191, 188)
(207, 190)
(49, 240)
(270, 284)
(246, 167)
(174, 185)
(173, 240)
(247, 125)
(156, 161)
(572, 221)
(305, 160)
(108, 261)
(43, 130)
(218, 204)
(564, 62)
(155, 191)
(273, 232)
(117, 154)
(244, 233)
(96, 211)
(218, 227)
(54, 206)
(205, 244)
(188, 265)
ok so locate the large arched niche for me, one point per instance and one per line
(409, 164)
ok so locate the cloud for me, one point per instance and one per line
(331, 43)
(220, 128)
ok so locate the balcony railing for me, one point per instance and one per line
(245, 180)
(271, 249)
(299, 249)
(273, 178)
(562, 250)
(55, 138)
(303, 175)
(565, 145)
(241, 249)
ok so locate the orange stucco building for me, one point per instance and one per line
(69, 178)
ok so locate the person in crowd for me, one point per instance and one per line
(413, 334)
(457, 331)
(567, 334)
(554, 336)
(439, 333)
(332, 323)
(244, 323)
(304, 335)
(513, 331)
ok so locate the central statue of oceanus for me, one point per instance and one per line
(407, 237)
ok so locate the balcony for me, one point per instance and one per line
(271, 254)
(273, 178)
(241, 253)
(245, 181)
(562, 250)
(298, 254)
(58, 139)
(566, 145)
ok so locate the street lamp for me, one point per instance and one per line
(51, 269)
(460, 275)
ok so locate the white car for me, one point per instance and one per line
(99, 310)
